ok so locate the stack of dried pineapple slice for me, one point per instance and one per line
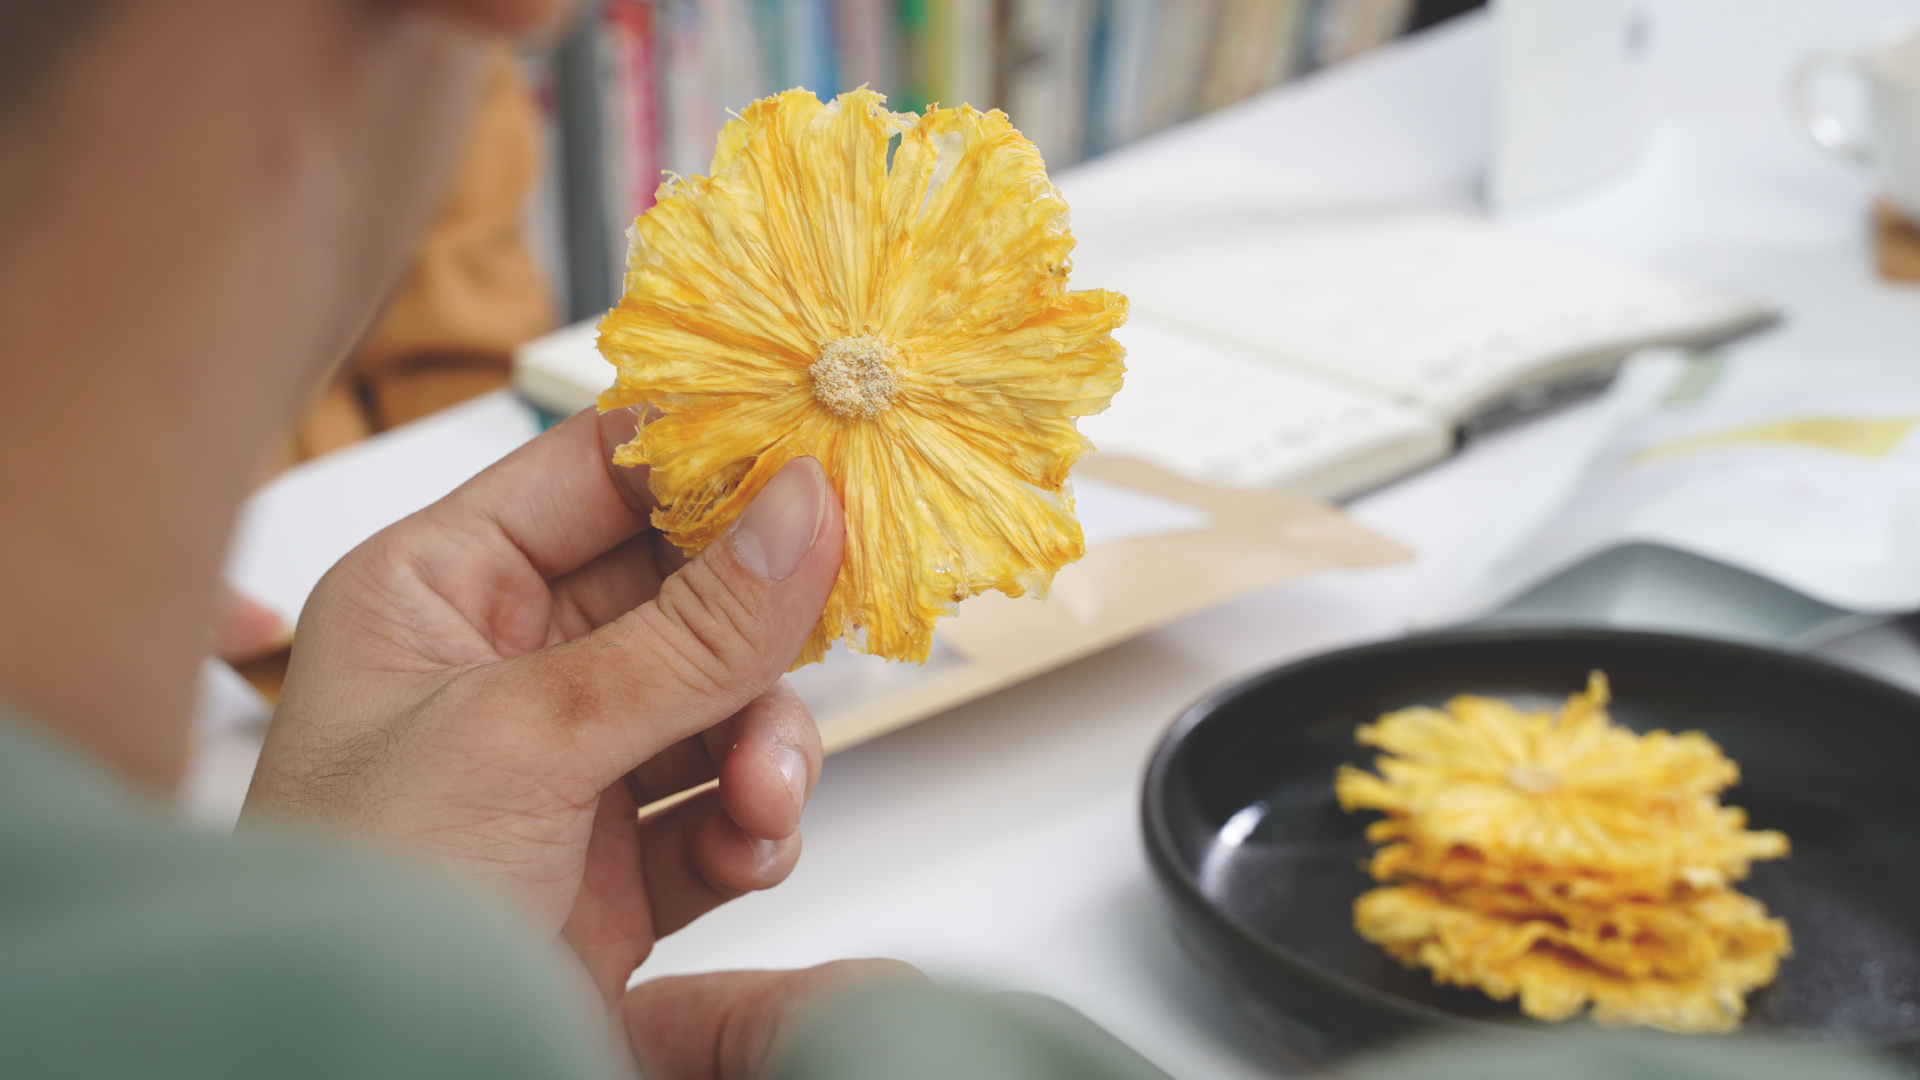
(1566, 860)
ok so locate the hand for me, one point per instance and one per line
(727, 1025)
(502, 679)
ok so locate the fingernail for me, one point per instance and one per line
(765, 852)
(793, 766)
(781, 524)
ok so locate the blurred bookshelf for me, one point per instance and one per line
(642, 86)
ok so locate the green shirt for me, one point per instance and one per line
(132, 947)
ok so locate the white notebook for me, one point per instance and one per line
(1221, 414)
(1325, 351)
(1438, 312)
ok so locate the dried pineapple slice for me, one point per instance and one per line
(1530, 789)
(1727, 860)
(1679, 938)
(1556, 972)
(905, 321)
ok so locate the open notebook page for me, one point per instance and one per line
(1438, 312)
(1216, 414)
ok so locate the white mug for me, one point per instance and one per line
(1570, 101)
(1891, 146)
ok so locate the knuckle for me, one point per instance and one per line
(718, 890)
(719, 627)
(680, 654)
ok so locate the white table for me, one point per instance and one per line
(997, 844)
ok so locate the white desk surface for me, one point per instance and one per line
(997, 844)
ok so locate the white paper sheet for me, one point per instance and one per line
(1109, 512)
(1815, 488)
(1213, 413)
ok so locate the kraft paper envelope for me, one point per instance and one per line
(1239, 543)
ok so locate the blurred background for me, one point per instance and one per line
(644, 85)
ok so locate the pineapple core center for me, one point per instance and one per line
(856, 377)
(1533, 779)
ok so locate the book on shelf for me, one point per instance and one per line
(1343, 29)
(1047, 90)
(1180, 37)
(633, 112)
(865, 36)
(1257, 44)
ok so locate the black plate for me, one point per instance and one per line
(1263, 867)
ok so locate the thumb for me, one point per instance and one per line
(721, 631)
(725, 1025)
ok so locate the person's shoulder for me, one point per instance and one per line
(168, 953)
(130, 946)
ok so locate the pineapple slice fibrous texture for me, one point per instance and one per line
(886, 293)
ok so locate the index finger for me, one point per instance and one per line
(559, 499)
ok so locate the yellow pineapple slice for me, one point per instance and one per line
(1732, 855)
(1678, 938)
(1530, 790)
(1557, 970)
(907, 322)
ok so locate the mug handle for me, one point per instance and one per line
(1826, 129)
